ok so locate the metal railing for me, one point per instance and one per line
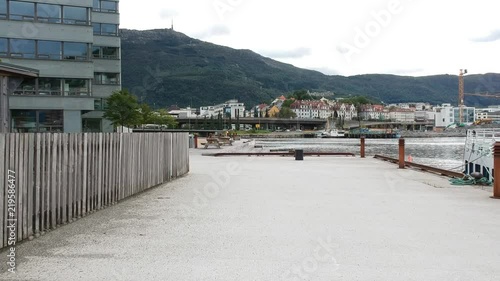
(482, 139)
(421, 167)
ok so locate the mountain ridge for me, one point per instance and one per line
(165, 67)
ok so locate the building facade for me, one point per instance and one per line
(402, 115)
(444, 115)
(311, 110)
(76, 48)
(231, 108)
(468, 115)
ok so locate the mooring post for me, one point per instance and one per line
(496, 165)
(363, 138)
(401, 153)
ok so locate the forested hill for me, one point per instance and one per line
(165, 67)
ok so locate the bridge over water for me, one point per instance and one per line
(307, 124)
(265, 123)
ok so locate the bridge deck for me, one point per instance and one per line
(279, 219)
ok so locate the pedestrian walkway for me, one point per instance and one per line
(273, 218)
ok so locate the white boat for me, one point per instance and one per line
(334, 133)
(478, 153)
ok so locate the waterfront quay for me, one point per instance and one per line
(274, 218)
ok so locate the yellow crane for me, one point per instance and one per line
(461, 94)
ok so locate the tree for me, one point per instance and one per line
(286, 112)
(162, 118)
(213, 126)
(123, 109)
(146, 114)
(205, 123)
(238, 127)
(220, 122)
(302, 95)
(288, 103)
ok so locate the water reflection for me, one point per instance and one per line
(446, 153)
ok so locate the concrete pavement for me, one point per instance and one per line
(271, 218)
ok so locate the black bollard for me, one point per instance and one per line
(299, 154)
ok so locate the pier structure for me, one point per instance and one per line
(274, 218)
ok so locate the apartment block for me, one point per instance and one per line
(75, 47)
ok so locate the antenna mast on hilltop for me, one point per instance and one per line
(172, 27)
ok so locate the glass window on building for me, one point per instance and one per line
(105, 6)
(96, 5)
(100, 104)
(23, 121)
(107, 78)
(21, 48)
(27, 87)
(49, 50)
(109, 6)
(75, 15)
(4, 47)
(21, 10)
(75, 51)
(50, 121)
(49, 13)
(49, 87)
(76, 87)
(97, 28)
(109, 29)
(96, 52)
(37, 121)
(3, 9)
(110, 53)
(91, 125)
(105, 52)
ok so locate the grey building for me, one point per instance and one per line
(75, 46)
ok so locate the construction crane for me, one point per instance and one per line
(461, 94)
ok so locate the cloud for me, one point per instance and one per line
(216, 30)
(492, 37)
(287, 54)
(168, 14)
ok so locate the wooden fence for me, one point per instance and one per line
(53, 179)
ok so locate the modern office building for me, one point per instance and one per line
(468, 114)
(75, 46)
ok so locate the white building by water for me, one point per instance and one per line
(231, 108)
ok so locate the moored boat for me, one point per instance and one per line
(478, 152)
(334, 133)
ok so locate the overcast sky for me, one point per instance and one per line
(343, 37)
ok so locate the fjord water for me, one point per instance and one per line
(445, 153)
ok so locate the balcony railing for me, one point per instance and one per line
(48, 93)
